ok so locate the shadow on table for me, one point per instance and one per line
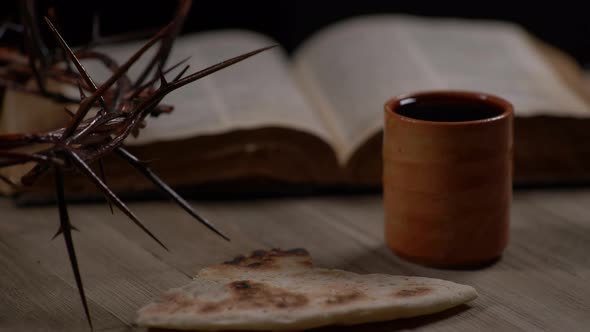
(381, 259)
(394, 325)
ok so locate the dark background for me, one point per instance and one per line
(289, 22)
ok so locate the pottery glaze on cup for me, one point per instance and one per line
(447, 177)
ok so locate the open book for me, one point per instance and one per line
(316, 118)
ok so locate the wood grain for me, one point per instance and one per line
(541, 283)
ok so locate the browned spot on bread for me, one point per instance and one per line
(279, 253)
(236, 261)
(261, 259)
(258, 294)
(246, 294)
(295, 252)
(344, 298)
(258, 253)
(411, 292)
(243, 284)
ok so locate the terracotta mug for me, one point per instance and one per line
(447, 177)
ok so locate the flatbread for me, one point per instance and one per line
(282, 290)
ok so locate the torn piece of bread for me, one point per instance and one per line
(282, 290)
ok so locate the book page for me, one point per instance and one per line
(257, 92)
(349, 70)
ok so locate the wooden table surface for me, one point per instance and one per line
(541, 283)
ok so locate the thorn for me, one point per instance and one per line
(208, 71)
(82, 94)
(86, 104)
(58, 233)
(65, 226)
(147, 172)
(70, 113)
(168, 35)
(85, 169)
(149, 103)
(98, 92)
(7, 181)
(179, 76)
(137, 91)
(104, 179)
(81, 70)
(163, 81)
